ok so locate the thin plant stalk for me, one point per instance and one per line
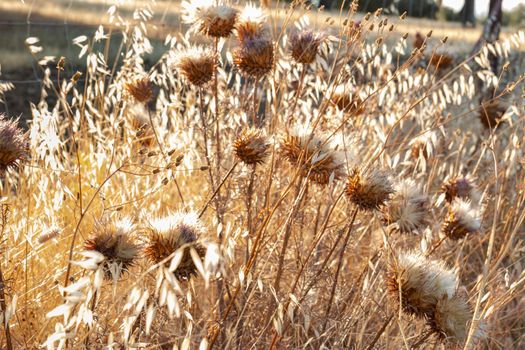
(203, 210)
(9, 345)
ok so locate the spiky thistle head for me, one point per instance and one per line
(461, 220)
(209, 18)
(450, 319)
(140, 89)
(407, 208)
(317, 159)
(251, 147)
(463, 187)
(255, 57)
(304, 45)
(114, 240)
(196, 65)
(416, 283)
(251, 24)
(13, 144)
(369, 190)
(177, 231)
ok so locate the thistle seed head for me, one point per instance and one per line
(408, 208)
(140, 89)
(317, 159)
(251, 25)
(416, 283)
(463, 187)
(255, 57)
(251, 147)
(210, 19)
(114, 240)
(304, 45)
(450, 319)
(369, 190)
(491, 114)
(461, 220)
(13, 144)
(177, 231)
(196, 65)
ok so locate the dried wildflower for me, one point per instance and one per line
(318, 160)
(13, 144)
(347, 99)
(49, 233)
(423, 145)
(461, 220)
(304, 45)
(491, 114)
(441, 61)
(450, 319)
(255, 57)
(140, 89)
(251, 25)
(251, 147)
(196, 65)
(210, 19)
(419, 40)
(461, 187)
(369, 190)
(416, 284)
(115, 242)
(408, 207)
(169, 234)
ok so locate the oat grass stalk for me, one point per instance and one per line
(203, 210)
(9, 345)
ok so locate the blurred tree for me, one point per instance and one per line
(491, 31)
(418, 8)
(467, 13)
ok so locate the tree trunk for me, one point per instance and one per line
(491, 31)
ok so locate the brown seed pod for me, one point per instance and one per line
(304, 45)
(196, 65)
(461, 220)
(140, 89)
(251, 147)
(491, 114)
(255, 57)
(369, 191)
(209, 18)
(177, 231)
(463, 187)
(13, 144)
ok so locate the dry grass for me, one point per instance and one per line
(147, 215)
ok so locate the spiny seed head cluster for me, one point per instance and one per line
(317, 159)
(461, 220)
(196, 65)
(13, 144)
(416, 283)
(304, 45)
(176, 231)
(115, 241)
(463, 187)
(408, 207)
(451, 319)
(369, 190)
(140, 89)
(217, 21)
(255, 55)
(251, 147)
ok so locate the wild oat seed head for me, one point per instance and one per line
(304, 45)
(196, 65)
(251, 147)
(140, 89)
(463, 187)
(369, 190)
(251, 25)
(171, 233)
(13, 144)
(461, 220)
(49, 233)
(416, 283)
(114, 240)
(210, 19)
(317, 159)
(408, 207)
(255, 57)
(451, 318)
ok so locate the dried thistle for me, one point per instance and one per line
(461, 220)
(369, 190)
(416, 284)
(196, 65)
(251, 147)
(255, 57)
(251, 25)
(304, 45)
(140, 124)
(169, 234)
(450, 319)
(217, 21)
(407, 209)
(13, 144)
(318, 160)
(140, 89)
(441, 61)
(463, 187)
(114, 240)
(491, 113)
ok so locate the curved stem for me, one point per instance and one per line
(217, 189)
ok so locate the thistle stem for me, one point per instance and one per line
(203, 210)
